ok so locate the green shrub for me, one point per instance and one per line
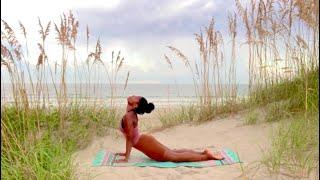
(251, 118)
(295, 146)
(277, 111)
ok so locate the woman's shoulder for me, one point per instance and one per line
(130, 116)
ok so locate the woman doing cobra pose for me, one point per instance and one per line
(147, 143)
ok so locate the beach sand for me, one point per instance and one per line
(229, 132)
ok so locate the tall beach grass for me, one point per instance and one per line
(38, 138)
(282, 40)
(283, 61)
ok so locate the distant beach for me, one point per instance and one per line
(160, 94)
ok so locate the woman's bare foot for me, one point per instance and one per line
(216, 156)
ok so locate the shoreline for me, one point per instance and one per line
(161, 101)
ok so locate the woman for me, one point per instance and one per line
(147, 143)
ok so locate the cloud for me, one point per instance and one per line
(141, 29)
(138, 19)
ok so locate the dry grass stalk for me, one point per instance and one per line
(181, 55)
(168, 61)
(280, 34)
(126, 83)
(232, 70)
(208, 69)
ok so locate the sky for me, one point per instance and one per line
(141, 29)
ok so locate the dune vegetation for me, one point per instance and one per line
(282, 43)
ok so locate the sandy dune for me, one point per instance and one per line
(229, 132)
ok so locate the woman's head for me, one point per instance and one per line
(140, 104)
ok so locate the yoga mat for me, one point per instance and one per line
(138, 159)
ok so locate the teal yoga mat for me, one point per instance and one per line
(106, 158)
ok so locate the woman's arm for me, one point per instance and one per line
(128, 129)
(127, 153)
(128, 148)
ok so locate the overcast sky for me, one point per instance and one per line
(141, 29)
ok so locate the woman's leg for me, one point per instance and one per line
(184, 156)
(188, 156)
(151, 147)
(159, 152)
(187, 150)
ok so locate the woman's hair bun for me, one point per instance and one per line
(150, 107)
(144, 106)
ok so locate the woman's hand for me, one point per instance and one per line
(120, 154)
(121, 161)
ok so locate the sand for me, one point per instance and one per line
(248, 141)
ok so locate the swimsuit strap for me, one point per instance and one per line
(122, 123)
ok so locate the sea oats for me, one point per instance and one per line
(179, 54)
(168, 61)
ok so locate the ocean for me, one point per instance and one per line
(159, 94)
